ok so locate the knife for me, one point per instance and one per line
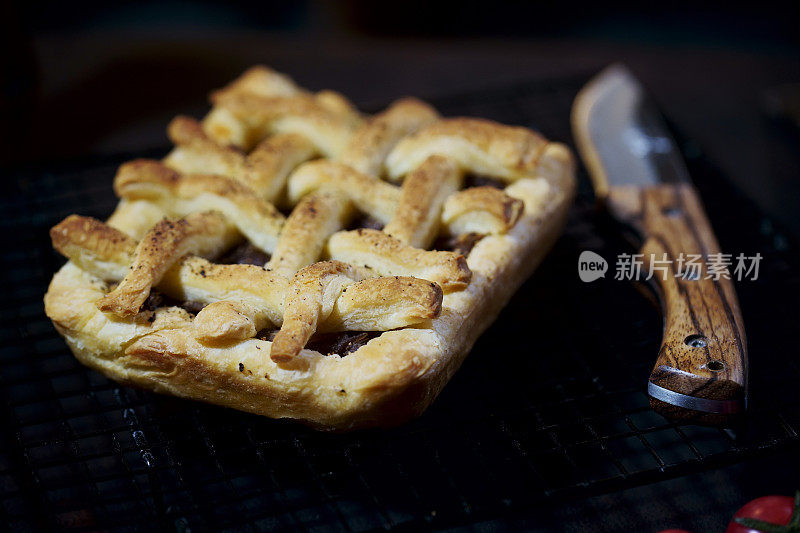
(640, 179)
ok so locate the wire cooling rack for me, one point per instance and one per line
(549, 406)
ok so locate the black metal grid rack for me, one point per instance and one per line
(549, 405)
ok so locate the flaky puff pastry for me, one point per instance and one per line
(219, 186)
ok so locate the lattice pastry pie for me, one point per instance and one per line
(293, 258)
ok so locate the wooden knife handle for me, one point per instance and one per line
(701, 371)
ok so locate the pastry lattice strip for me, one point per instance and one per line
(283, 127)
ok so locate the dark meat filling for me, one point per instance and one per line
(267, 334)
(364, 221)
(340, 343)
(191, 306)
(154, 300)
(343, 343)
(463, 244)
(158, 299)
(471, 180)
(244, 254)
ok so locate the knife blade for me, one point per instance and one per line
(639, 177)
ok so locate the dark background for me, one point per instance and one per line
(87, 77)
(82, 79)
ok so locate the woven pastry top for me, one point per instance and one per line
(349, 223)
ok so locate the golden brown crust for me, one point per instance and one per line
(263, 81)
(311, 223)
(440, 300)
(196, 152)
(263, 102)
(481, 210)
(227, 321)
(483, 146)
(108, 254)
(370, 195)
(199, 280)
(381, 304)
(94, 246)
(182, 194)
(337, 104)
(424, 191)
(262, 116)
(202, 234)
(336, 292)
(304, 302)
(264, 170)
(388, 256)
(371, 143)
(267, 167)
